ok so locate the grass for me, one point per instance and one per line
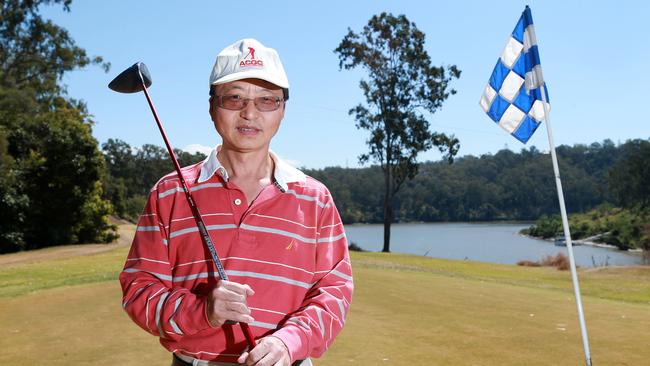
(415, 318)
(31, 277)
(629, 284)
(406, 310)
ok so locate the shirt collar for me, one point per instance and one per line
(283, 173)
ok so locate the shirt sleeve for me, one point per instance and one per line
(149, 295)
(309, 331)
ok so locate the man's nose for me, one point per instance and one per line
(250, 110)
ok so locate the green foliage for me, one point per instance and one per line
(57, 170)
(130, 173)
(402, 85)
(545, 227)
(622, 227)
(629, 229)
(12, 204)
(627, 174)
(629, 179)
(34, 52)
(502, 186)
(357, 191)
(51, 165)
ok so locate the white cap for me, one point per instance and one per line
(248, 58)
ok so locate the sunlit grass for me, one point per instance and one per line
(630, 284)
(406, 310)
(18, 280)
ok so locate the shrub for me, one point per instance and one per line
(559, 261)
(545, 227)
(527, 263)
(354, 247)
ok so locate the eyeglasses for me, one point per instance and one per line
(235, 102)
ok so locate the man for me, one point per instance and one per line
(276, 230)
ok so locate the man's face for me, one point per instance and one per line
(248, 129)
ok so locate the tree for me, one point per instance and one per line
(503, 186)
(131, 172)
(35, 53)
(51, 164)
(118, 182)
(12, 204)
(402, 84)
(629, 178)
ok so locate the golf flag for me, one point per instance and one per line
(513, 96)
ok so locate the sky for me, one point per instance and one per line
(594, 54)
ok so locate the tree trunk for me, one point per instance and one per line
(387, 212)
(387, 221)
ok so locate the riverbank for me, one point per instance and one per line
(484, 242)
(585, 241)
(594, 244)
(623, 228)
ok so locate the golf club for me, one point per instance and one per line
(137, 78)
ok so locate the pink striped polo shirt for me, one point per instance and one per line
(289, 246)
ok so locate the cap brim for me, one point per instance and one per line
(251, 74)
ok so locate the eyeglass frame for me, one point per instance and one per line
(285, 92)
(219, 101)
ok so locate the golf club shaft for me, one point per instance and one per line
(205, 236)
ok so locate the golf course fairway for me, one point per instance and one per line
(62, 306)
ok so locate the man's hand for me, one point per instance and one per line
(227, 301)
(270, 351)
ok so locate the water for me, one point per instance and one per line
(485, 242)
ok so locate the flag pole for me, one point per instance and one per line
(565, 225)
(523, 47)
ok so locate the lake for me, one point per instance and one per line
(484, 242)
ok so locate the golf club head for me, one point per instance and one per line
(131, 79)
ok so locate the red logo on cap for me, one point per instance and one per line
(252, 61)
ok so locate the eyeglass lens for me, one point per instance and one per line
(236, 102)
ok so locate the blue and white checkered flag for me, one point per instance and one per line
(513, 96)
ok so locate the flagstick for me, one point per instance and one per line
(565, 225)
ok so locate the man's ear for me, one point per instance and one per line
(211, 100)
(213, 91)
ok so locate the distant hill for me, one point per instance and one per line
(502, 186)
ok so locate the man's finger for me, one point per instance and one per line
(237, 317)
(269, 359)
(243, 357)
(258, 352)
(237, 288)
(237, 307)
(228, 295)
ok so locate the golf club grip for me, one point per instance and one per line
(205, 236)
(248, 334)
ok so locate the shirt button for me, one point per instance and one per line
(237, 201)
